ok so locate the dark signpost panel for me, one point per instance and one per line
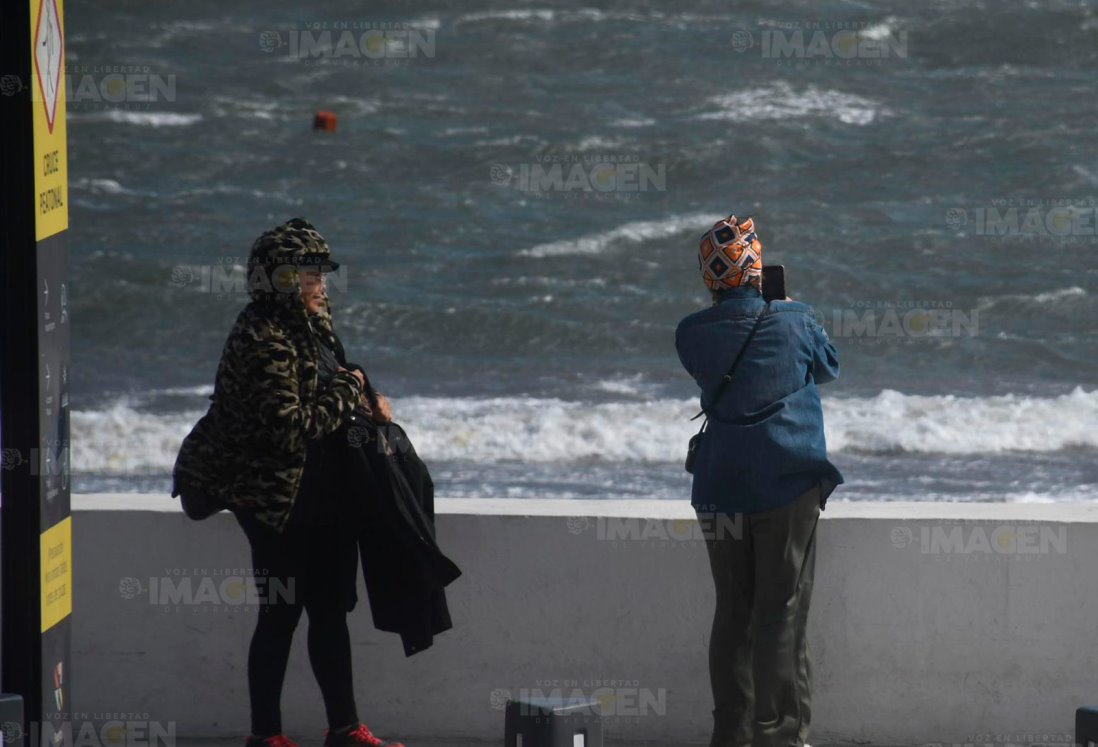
(35, 521)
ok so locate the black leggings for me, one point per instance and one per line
(310, 568)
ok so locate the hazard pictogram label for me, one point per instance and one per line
(46, 32)
(49, 52)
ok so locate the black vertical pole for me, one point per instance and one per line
(35, 520)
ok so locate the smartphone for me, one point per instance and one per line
(773, 282)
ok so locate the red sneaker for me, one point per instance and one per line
(361, 735)
(278, 740)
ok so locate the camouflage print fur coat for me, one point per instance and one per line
(248, 450)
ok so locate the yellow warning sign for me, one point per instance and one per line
(51, 160)
(56, 545)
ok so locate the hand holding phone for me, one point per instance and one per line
(773, 282)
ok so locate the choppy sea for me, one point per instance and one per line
(927, 173)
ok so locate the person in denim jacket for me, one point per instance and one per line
(761, 478)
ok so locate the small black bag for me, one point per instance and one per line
(696, 440)
(693, 446)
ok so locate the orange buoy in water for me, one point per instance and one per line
(324, 120)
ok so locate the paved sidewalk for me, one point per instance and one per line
(413, 742)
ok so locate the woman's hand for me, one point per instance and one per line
(384, 414)
(358, 375)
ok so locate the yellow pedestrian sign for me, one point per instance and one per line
(51, 182)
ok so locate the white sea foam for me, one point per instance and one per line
(628, 233)
(148, 119)
(101, 186)
(426, 22)
(1061, 495)
(597, 142)
(508, 140)
(634, 122)
(782, 101)
(541, 15)
(1059, 295)
(529, 14)
(122, 439)
(248, 108)
(203, 390)
(451, 131)
(232, 189)
(879, 31)
(895, 422)
(634, 385)
(1044, 298)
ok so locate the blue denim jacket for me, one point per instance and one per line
(764, 444)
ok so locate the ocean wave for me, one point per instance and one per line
(508, 141)
(123, 439)
(1061, 495)
(232, 189)
(529, 14)
(587, 15)
(148, 119)
(1059, 295)
(202, 390)
(262, 109)
(101, 187)
(1044, 298)
(596, 142)
(879, 31)
(896, 422)
(781, 101)
(636, 385)
(426, 22)
(627, 233)
(451, 131)
(538, 15)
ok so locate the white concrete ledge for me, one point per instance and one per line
(931, 622)
(836, 508)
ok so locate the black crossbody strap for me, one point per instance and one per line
(727, 378)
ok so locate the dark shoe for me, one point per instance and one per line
(355, 738)
(278, 740)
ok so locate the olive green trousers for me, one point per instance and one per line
(763, 566)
